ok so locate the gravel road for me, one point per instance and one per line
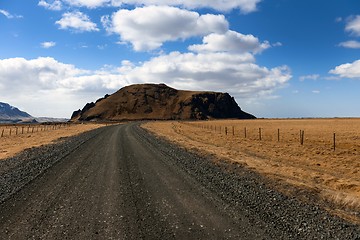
(120, 182)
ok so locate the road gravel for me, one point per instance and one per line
(121, 182)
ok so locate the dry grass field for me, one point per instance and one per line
(330, 177)
(34, 135)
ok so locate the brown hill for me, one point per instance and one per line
(158, 101)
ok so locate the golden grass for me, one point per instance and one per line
(334, 176)
(11, 145)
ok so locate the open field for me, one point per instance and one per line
(313, 171)
(16, 138)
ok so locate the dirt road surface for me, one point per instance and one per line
(123, 183)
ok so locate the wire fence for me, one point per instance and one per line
(20, 129)
(332, 140)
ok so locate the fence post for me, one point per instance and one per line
(225, 130)
(302, 137)
(334, 141)
(260, 134)
(278, 136)
(2, 133)
(233, 130)
(303, 133)
(10, 131)
(245, 131)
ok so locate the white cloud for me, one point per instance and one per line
(58, 4)
(350, 44)
(353, 25)
(315, 91)
(48, 44)
(347, 70)
(43, 79)
(148, 27)
(88, 3)
(230, 42)
(9, 15)
(309, 77)
(48, 87)
(55, 5)
(38, 78)
(233, 73)
(42, 73)
(245, 6)
(5, 13)
(77, 21)
(107, 23)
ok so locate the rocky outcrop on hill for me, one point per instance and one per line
(160, 102)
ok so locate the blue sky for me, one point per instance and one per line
(278, 58)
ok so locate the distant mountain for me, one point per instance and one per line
(48, 119)
(9, 113)
(158, 101)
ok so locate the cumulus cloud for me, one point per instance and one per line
(234, 73)
(147, 28)
(347, 70)
(350, 44)
(49, 87)
(230, 42)
(43, 73)
(309, 77)
(9, 15)
(77, 21)
(58, 4)
(43, 78)
(353, 25)
(88, 3)
(52, 5)
(245, 6)
(48, 44)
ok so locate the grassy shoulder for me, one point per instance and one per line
(15, 143)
